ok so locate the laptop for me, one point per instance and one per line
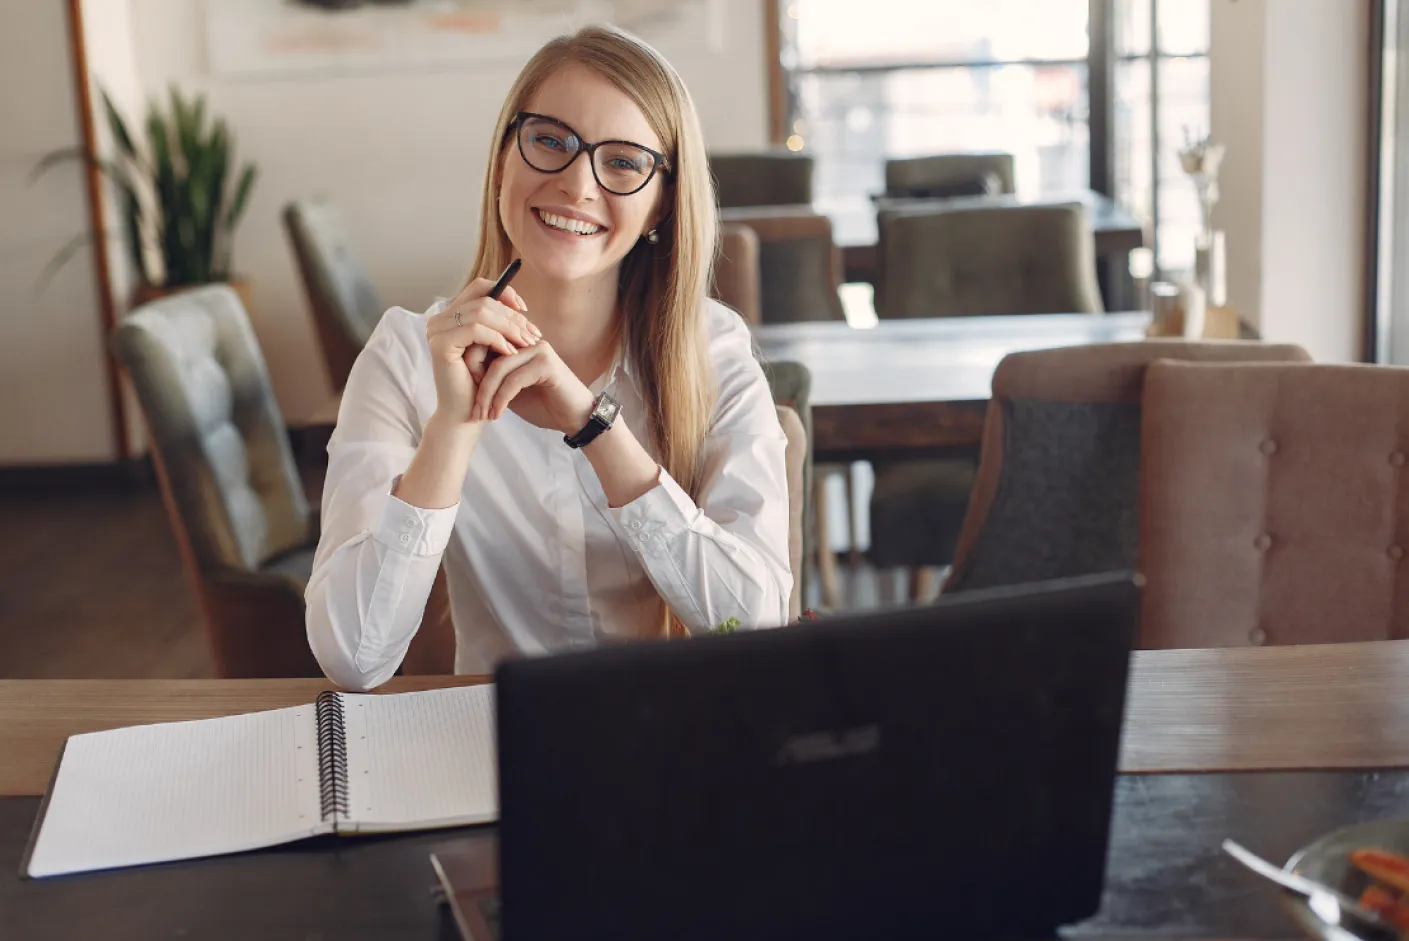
(942, 769)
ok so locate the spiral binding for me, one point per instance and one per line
(332, 756)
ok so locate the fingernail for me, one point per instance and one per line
(536, 332)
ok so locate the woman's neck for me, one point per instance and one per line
(578, 317)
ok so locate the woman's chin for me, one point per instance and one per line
(566, 265)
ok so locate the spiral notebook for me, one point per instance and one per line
(347, 763)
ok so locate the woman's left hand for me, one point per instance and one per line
(537, 385)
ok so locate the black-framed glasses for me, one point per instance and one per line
(620, 167)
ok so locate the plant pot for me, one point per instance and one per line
(146, 293)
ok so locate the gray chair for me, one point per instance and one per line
(953, 260)
(950, 175)
(762, 178)
(796, 454)
(232, 491)
(346, 308)
(974, 257)
(1058, 487)
(791, 385)
(799, 264)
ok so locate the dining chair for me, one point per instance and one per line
(950, 175)
(736, 277)
(227, 475)
(1275, 504)
(958, 260)
(965, 258)
(791, 386)
(796, 457)
(1057, 490)
(799, 263)
(346, 308)
(776, 177)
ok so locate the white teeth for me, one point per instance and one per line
(569, 225)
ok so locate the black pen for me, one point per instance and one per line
(505, 278)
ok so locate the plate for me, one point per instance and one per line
(1328, 861)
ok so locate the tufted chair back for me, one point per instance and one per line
(1275, 504)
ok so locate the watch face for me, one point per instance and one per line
(606, 409)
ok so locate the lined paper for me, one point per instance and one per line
(178, 790)
(421, 759)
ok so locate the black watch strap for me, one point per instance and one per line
(604, 412)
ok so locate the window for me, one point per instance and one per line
(898, 78)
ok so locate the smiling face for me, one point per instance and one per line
(565, 225)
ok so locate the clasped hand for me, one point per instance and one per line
(488, 358)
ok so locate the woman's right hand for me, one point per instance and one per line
(482, 325)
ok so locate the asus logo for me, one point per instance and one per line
(829, 745)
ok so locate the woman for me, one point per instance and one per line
(482, 435)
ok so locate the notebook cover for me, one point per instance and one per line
(39, 817)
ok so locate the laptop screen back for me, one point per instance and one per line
(946, 768)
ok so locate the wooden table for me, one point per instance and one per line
(1240, 709)
(1260, 726)
(854, 227)
(909, 387)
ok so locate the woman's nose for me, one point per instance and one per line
(577, 181)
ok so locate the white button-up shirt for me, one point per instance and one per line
(535, 559)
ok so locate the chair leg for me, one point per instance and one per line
(826, 558)
(849, 475)
(922, 583)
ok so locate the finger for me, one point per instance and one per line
(513, 299)
(493, 377)
(463, 338)
(475, 358)
(506, 320)
(515, 382)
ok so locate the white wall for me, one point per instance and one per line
(401, 155)
(1289, 96)
(53, 389)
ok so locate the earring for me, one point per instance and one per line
(653, 236)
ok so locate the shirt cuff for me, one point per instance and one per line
(657, 516)
(413, 530)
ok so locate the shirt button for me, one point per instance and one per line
(405, 538)
(1396, 459)
(409, 522)
(635, 524)
(1395, 553)
(645, 537)
(1268, 447)
(1257, 637)
(1262, 543)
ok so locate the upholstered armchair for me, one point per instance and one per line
(346, 308)
(763, 178)
(950, 175)
(228, 478)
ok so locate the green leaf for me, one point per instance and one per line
(232, 217)
(119, 128)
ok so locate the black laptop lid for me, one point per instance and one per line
(940, 770)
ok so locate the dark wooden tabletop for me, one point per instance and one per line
(1165, 874)
(908, 387)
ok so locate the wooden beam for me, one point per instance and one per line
(777, 81)
(107, 309)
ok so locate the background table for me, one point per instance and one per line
(910, 387)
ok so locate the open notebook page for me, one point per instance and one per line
(178, 790)
(419, 760)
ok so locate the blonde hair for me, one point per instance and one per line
(662, 287)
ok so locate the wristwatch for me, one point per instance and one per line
(604, 412)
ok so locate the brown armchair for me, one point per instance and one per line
(228, 478)
(346, 308)
(1275, 504)
(950, 175)
(971, 257)
(763, 178)
(799, 264)
(736, 276)
(1057, 492)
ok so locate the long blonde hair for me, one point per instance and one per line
(662, 287)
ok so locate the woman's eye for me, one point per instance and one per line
(552, 143)
(624, 163)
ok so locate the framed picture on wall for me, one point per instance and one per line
(269, 37)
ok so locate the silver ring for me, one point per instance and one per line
(457, 319)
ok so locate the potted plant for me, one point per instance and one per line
(178, 204)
